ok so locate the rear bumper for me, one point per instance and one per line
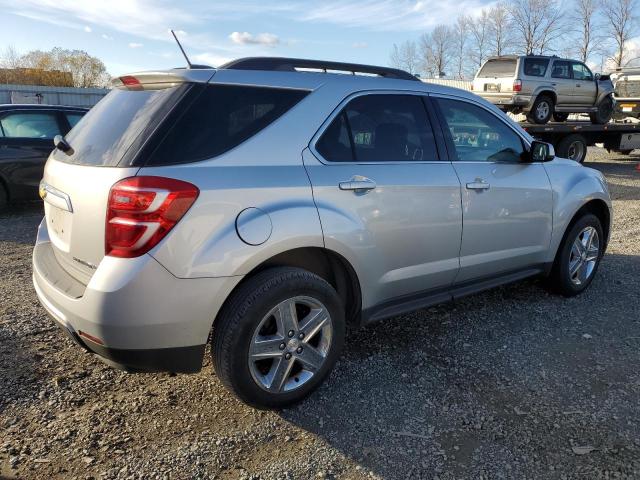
(502, 100)
(145, 318)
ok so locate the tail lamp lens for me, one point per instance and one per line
(142, 210)
(517, 85)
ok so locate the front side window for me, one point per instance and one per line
(561, 69)
(30, 125)
(380, 128)
(73, 118)
(478, 135)
(536, 67)
(581, 72)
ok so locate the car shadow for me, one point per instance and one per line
(498, 383)
(622, 177)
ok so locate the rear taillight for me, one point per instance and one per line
(517, 85)
(142, 210)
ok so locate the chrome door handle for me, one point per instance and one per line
(357, 183)
(478, 185)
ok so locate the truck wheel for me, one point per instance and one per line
(278, 336)
(560, 117)
(605, 110)
(578, 257)
(573, 147)
(542, 110)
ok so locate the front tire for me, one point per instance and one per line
(604, 113)
(579, 256)
(542, 110)
(278, 336)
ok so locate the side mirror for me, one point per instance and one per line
(541, 152)
(597, 77)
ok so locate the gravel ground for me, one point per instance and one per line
(512, 383)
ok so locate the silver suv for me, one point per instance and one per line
(545, 88)
(264, 209)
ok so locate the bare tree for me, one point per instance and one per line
(435, 50)
(584, 19)
(480, 34)
(537, 25)
(9, 58)
(86, 71)
(500, 29)
(460, 40)
(621, 24)
(406, 56)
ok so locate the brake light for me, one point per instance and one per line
(131, 82)
(517, 85)
(142, 210)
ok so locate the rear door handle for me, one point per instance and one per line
(358, 183)
(478, 185)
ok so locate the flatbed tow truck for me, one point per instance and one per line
(571, 139)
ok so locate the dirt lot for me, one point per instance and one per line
(513, 383)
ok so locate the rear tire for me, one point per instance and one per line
(542, 110)
(575, 267)
(573, 147)
(4, 198)
(560, 117)
(255, 353)
(604, 113)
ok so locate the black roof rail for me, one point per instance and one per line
(292, 64)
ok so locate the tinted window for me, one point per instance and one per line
(560, 70)
(73, 118)
(113, 124)
(380, 128)
(30, 125)
(536, 67)
(335, 144)
(504, 67)
(478, 135)
(222, 117)
(581, 72)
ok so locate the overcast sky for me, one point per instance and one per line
(129, 35)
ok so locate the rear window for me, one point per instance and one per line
(221, 118)
(536, 67)
(105, 134)
(505, 67)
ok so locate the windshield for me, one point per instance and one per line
(504, 67)
(105, 134)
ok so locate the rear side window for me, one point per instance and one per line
(221, 118)
(30, 125)
(536, 67)
(503, 67)
(73, 118)
(380, 128)
(479, 136)
(561, 69)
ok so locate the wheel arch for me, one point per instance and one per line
(548, 93)
(597, 207)
(325, 263)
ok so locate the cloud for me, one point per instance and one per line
(246, 38)
(390, 15)
(360, 45)
(106, 37)
(135, 45)
(210, 59)
(87, 29)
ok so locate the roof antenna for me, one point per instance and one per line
(181, 49)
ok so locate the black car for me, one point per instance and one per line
(26, 139)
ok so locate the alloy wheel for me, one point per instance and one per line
(290, 344)
(584, 255)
